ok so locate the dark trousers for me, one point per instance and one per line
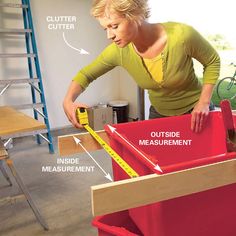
(153, 114)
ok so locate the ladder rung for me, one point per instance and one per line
(28, 106)
(19, 81)
(15, 31)
(13, 5)
(11, 55)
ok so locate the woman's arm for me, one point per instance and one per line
(106, 61)
(200, 49)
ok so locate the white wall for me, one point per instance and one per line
(129, 91)
(59, 63)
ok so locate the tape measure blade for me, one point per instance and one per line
(115, 156)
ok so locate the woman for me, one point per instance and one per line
(158, 57)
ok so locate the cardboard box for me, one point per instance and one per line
(100, 116)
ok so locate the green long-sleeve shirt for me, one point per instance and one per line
(180, 88)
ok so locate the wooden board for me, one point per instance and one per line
(13, 121)
(126, 194)
(67, 145)
(3, 152)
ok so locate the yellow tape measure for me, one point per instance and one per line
(82, 116)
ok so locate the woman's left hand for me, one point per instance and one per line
(199, 116)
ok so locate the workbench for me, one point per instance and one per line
(15, 124)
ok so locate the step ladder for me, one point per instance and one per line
(35, 78)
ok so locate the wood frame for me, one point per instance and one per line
(67, 145)
(140, 191)
(3, 152)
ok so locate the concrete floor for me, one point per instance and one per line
(62, 198)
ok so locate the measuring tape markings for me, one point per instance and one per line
(82, 116)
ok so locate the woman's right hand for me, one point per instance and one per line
(70, 106)
(70, 111)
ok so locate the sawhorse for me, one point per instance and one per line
(17, 124)
(4, 157)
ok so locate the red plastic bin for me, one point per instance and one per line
(207, 213)
(116, 224)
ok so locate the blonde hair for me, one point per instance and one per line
(131, 9)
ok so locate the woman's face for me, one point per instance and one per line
(119, 29)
